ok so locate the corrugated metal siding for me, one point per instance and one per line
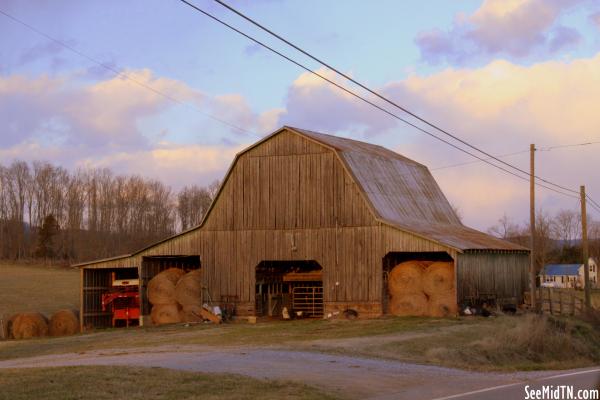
(501, 274)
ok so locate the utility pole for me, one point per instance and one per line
(532, 272)
(585, 249)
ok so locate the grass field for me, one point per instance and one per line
(36, 288)
(125, 383)
(501, 343)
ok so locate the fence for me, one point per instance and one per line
(558, 301)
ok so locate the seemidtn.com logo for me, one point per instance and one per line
(560, 392)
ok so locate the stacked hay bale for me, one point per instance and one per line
(422, 288)
(161, 294)
(175, 296)
(438, 285)
(188, 294)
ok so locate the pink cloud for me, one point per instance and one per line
(514, 28)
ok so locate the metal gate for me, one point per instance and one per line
(308, 299)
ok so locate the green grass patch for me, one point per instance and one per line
(133, 383)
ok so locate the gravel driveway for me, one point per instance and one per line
(354, 377)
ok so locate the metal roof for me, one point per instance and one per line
(404, 194)
(562, 269)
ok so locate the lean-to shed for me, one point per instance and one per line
(316, 221)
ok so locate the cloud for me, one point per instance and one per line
(563, 38)
(103, 114)
(595, 19)
(39, 51)
(313, 103)
(501, 107)
(61, 120)
(509, 28)
(174, 164)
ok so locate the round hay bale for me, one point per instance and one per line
(406, 277)
(409, 304)
(188, 290)
(442, 305)
(165, 314)
(191, 313)
(29, 325)
(173, 274)
(161, 288)
(438, 278)
(64, 323)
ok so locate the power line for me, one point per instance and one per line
(378, 95)
(567, 145)
(346, 90)
(477, 161)
(122, 74)
(593, 203)
(358, 96)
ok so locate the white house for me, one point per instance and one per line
(568, 275)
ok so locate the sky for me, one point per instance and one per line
(156, 89)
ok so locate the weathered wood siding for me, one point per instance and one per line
(291, 198)
(501, 274)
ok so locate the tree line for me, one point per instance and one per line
(47, 212)
(557, 236)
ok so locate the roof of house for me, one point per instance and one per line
(403, 193)
(562, 269)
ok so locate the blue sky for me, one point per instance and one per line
(500, 73)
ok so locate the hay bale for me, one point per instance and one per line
(442, 305)
(408, 304)
(165, 314)
(438, 278)
(64, 323)
(192, 313)
(173, 274)
(161, 288)
(29, 325)
(188, 290)
(406, 277)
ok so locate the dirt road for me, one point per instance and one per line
(353, 377)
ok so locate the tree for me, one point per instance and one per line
(46, 248)
(505, 229)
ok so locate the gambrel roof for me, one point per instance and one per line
(403, 193)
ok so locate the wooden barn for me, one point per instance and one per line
(316, 222)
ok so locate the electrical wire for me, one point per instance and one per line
(375, 93)
(120, 73)
(476, 161)
(550, 148)
(346, 90)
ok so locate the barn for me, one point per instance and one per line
(316, 222)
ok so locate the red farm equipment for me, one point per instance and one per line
(123, 301)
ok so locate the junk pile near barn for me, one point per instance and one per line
(304, 219)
